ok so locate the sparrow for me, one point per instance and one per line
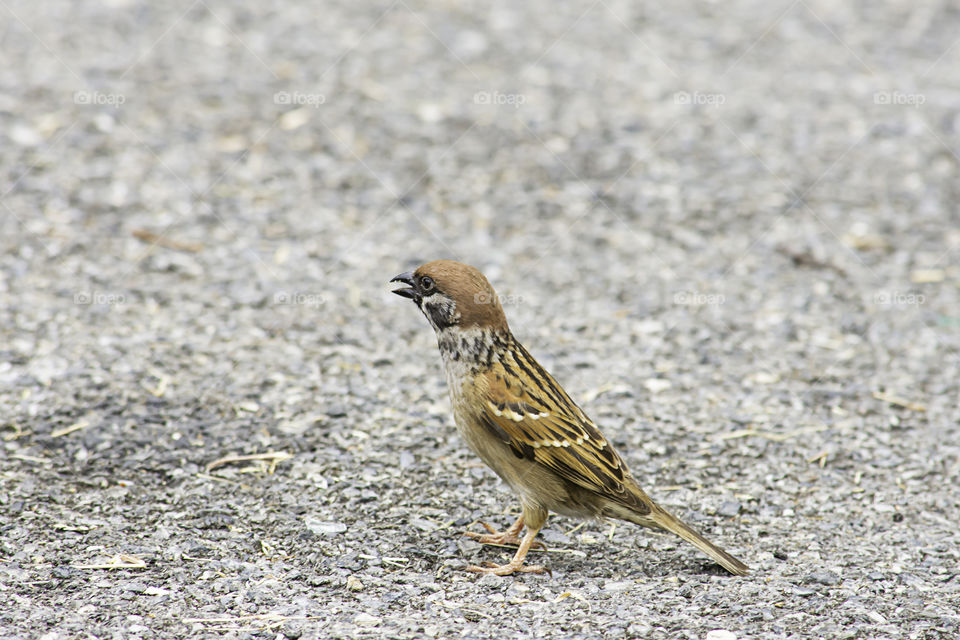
(523, 425)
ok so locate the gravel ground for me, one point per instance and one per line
(730, 230)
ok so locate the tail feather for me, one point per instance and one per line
(662, 519)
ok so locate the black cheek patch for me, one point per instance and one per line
(438, 315)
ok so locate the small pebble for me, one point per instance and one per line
(321, 528)
(729, 508)
(828, 578)
(366, 620)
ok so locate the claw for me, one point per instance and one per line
(505, 538)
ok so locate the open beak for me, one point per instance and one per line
(406, 292)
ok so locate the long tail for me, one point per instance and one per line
(662, 519)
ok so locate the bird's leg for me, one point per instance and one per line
(509, 537)
(516, 565)
(534, 517)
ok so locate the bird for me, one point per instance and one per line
(519, 420)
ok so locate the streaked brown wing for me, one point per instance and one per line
(527, 409)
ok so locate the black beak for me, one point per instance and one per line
(407, 292)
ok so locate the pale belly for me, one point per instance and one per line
(535, 485)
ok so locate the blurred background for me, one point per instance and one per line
(729, 229)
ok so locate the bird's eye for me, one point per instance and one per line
(426, 284)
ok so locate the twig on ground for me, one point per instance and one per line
(160, 240)
(119, 561)
(26, 458)
(769, 435)
(900, 402)
(18, 432)
(76, 426)
(273, 457)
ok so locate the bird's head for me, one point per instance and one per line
(452, 294)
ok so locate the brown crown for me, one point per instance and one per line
(476, 301)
